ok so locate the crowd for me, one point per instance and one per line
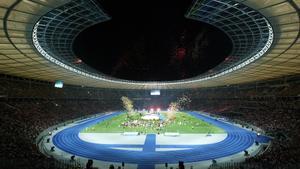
(27, 111)
(279, 118)
(143, 123)
(22, 121)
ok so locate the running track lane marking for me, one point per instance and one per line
(149, 146)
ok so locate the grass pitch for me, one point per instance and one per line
(183, 123)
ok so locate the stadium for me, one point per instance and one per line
(172, 84)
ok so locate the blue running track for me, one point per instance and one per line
(237, 140)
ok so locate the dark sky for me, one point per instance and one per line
(151, 40)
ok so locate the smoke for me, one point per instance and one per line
(180, 104)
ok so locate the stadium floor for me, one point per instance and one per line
(237, 140)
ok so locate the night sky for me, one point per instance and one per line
(151, 40)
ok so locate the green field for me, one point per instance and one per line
(183, 123)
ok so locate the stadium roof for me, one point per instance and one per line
(36, 39)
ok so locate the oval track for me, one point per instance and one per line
(237, 140)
